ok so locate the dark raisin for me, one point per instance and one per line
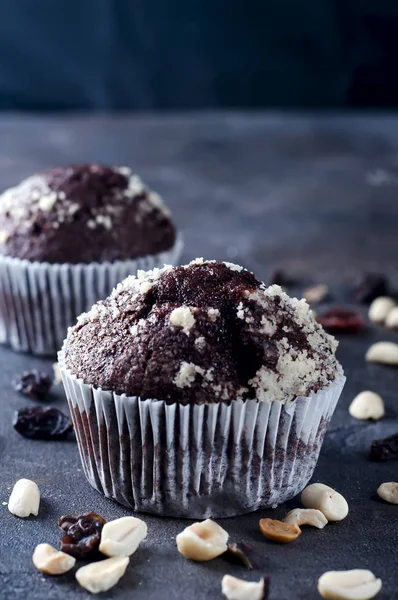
(33, 384)
(267, 582)
(385, 449)
(83, 534)
(371, 286)
(280, 277)
(41, 423)
(244, 553)
(341, 320)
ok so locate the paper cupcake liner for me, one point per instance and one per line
(39, 301)
(197, 461)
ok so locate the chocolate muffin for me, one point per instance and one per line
(82, 214)
(202, 366)
(72, 233)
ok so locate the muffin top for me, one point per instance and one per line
(202, 333)
(83, 213)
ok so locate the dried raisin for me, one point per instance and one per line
(384, 449)
(33, 384)
(341, 320)
(83, 534)
(41, 423)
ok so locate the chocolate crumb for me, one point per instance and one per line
(385, 449)
(244, 553)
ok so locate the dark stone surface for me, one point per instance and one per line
(317, 196)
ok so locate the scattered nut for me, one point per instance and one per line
(389, 492)
(51, 561)
(332, 504)
(122, 537)
(238, 589)
(278, 531)
(57, 373)
(202, 541)
(383, 352)
(380, 308)
(367, 405)
(316, 293)
(392, 319)
(306, 516)
(24, 499)
(358, 584)
(103, 575)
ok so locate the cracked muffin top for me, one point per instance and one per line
(81, 214)
(202, 333)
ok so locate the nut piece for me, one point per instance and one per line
(316, 293)
(278, 531)
(358, 584)
(383, 352)
(306, 516)
(367, 405)
(122, 537)
(380, 308)
(57, 373)
(238, 589)
(24, 499)
(392, 319)
(51, 561)
(103, 575)
(202, 541)
(388, 492)
(332, 504)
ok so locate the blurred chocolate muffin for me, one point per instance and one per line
(81, 214)
(68, 236)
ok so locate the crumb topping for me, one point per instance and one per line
(204, 332)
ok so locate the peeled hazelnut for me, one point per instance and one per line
(238, 589)
(332, 504)
(383, 352)
(202, 541)
(358, 584)
(392, 319)
(367, 405)
(24, 499)
(103, 575)
(51, 561)
(316, 293)
(278, 531)
(388, 492)
(306, 516)
(122, 537)
(380, 308)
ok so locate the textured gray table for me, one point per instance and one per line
(316, 195)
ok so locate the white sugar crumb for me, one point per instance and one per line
(46, 203)
(200, 342)
(145, 287)
(197, 261)
(135, 187)
(182, 318)
(104, 220)
(126, 171)
(4, 235)
(233, 267)
(156, 201)
(187, 374)
(213, 314)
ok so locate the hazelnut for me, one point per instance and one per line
(316, 293)
(278, 531)
(322, 497)
(367, 405)
(383, 352)
(51, 561)
(388, 492)
(238, 589)
(24, 499)
(202, 541)
(306, 516)
(392, 319)
(380, 308)
(103, 575)
(122, 537)
(358, 584)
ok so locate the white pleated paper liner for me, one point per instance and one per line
(39, 301)
(197, 461)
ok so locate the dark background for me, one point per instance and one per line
(158, 54)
